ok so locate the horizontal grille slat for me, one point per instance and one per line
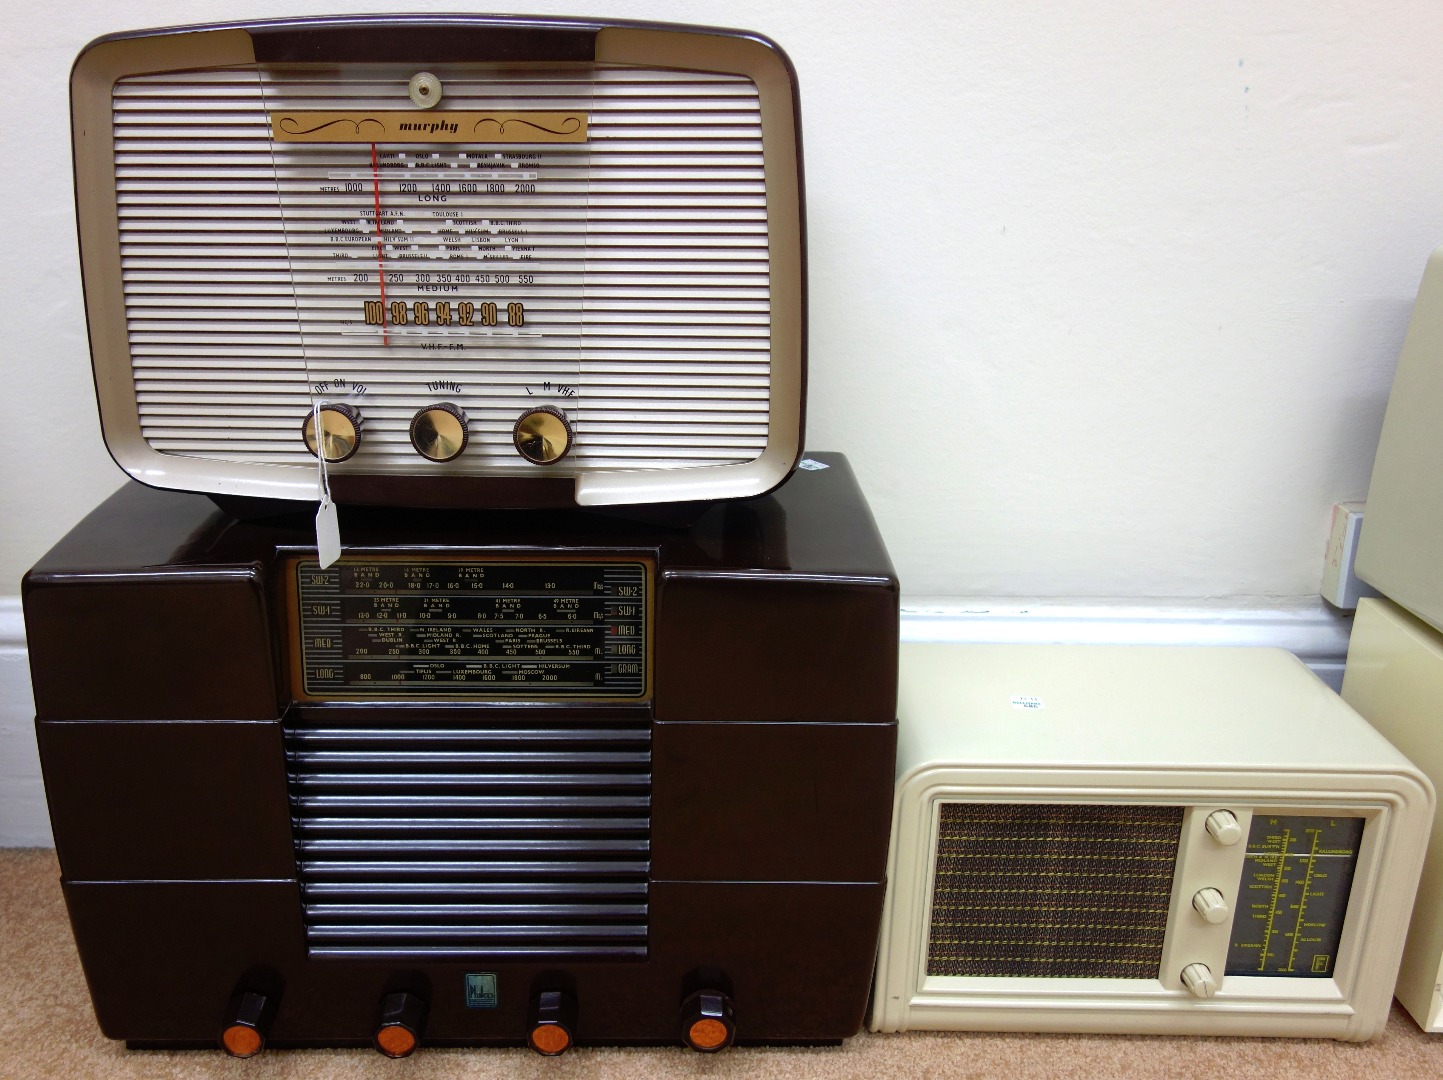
(399, 874)
(520, 845)
(466, 840)
(504, 914)
(461, 932)
(413, 826)
(648, 245)
(413, 951)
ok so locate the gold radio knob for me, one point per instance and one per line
(542, 435)
(340, 430)
(439, 432)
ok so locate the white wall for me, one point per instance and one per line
(1106, 296)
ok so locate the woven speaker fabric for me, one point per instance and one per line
(1052, 890)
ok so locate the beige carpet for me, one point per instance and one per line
(48, 1030)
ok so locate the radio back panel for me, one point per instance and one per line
(471, 261)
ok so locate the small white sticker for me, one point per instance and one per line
(811, 465)
(1030, 704)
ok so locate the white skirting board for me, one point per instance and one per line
(1314, 632)
(24, 821)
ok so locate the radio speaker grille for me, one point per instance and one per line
(1052, 890)
(661, 261)
(471, 841)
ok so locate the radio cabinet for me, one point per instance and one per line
(228, 822)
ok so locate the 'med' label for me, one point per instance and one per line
(481, 991)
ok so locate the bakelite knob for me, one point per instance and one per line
(1210, 904)
(340, 430)
(399, 1028)
(1222, 826)
(542, 435)
(248, 1021)
(439, 432)
(1198, 978)
(708, 1021)
(553, 1023)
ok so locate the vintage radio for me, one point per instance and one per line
(1394, 678)
(495, 776)
(1394, 675)
(1181, 840)
(1398, 549)
(474, 261)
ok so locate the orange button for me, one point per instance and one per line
(241, 1040)
(550, 1039)
(393, 1040)
(708, 1034)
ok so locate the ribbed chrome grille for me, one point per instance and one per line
(651, 298)
(468, 841)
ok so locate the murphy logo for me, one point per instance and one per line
(381, 126)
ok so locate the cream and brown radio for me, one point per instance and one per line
(1164, 840)
(472, 260)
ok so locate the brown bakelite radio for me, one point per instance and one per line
(507, 771)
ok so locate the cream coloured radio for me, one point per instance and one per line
(469, 261)
(1152, 840)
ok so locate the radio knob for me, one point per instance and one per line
(1222, 826)
(542, 435)
(398, 1031)
(553, 1023)
(1198, 978)
(708, 1021)
(439, 432)
(1209, 903)
(340, 430)
(249, 1016)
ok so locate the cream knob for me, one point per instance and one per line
(1198, 978)
(1209, 903)
(1222, 826)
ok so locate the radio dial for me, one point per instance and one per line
(439, 432)
(542, 435)
(1209, 903)
(340, 430)
(1198, 978)
(1222, 826)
